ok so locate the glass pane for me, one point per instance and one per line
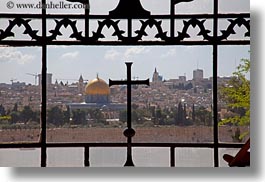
(107, 157)
(96, 7)
(64, 7)
(176, 107)
(198, 6)
(151, 157)
(186, 83)
(193, 157)
(20, 6)
(230, 151)
(233, 93)
(26, 157)
(81, 106)
(65, 157)
(228, 6)
(19, 94)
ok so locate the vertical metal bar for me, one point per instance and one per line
(129, 27)
(129, 95)
(86, 157)
(129, 161)
(87, 9)
(172, 156)
(215, 87)
(172, 19)
(44, 88)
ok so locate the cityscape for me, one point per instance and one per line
(92, 103)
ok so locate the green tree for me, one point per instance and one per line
(15, 117)
(202, 116)
(79, 117)
(15, 108)
(123, 116)
(2, 110)
(27, 114)
(236, 93)
(66, 115)
(55, 116)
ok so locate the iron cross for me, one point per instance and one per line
(129, 132)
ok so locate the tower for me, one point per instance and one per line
(197, 75)
(156, 77)
(48, 78)
(81, 85)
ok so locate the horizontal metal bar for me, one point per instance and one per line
(67, 145)
(82, 16)
(23, 43)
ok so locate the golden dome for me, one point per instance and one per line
(97, 87)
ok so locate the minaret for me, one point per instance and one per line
(81, 84)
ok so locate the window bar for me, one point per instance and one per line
(43, 89)
(215, 74)
(86, 157)
(87, 10)
(172, 19)
(172, 156)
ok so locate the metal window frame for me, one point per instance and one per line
(214, 41)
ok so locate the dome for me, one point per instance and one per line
(97, 87)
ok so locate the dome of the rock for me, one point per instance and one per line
(97, 87)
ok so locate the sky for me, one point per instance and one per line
(67, 63)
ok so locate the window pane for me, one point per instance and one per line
(26, 157)
(198, 6)
(230, 151)
(176, 107)
(228, 6)
(65, 157)
(107, 157)
(233, 93)
(20, 6)
(151, 157)
(19, 94)
(193, 157)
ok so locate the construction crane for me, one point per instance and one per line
(35, 76)
(60, 79)
(12, 80)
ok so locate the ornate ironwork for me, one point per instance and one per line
(119, 32)
(132, 10)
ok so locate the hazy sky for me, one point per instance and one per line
(68, 62)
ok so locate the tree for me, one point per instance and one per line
(55, 116)
(202, 116)
(27, 114)
(15, 108)
(2, 110)
(66, 115)
(236, 93)
(79, 117)
(15, 117)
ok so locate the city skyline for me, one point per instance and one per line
(71, 62)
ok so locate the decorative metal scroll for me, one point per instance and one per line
(135, 11)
